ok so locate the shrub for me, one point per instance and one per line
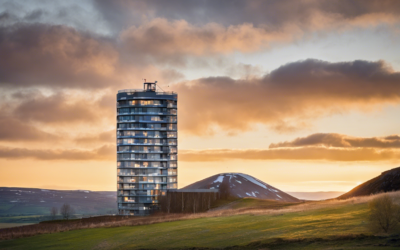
(383, 214)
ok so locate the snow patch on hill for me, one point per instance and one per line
(248, 177)
(219, 179)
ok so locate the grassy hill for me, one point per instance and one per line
(246, 204)
(319, 225)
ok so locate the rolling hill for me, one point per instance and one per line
(243, 185)
(386, 182)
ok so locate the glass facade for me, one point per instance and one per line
(147, 148)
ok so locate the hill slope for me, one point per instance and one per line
(386, 182)
(243, 185)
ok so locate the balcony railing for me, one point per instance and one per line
(148, 143)
(133, 128)
(159, 175)
(149, 121)
(147, 113)
(147, 151)
(146, 159)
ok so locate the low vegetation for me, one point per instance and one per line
(384, 214)
(247, 224)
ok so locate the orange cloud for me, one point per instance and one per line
(16, 130)
(161, 38)
(55, 56)
(307, 153)
(288, 19)
(57, 108)
(341, 141)
(107, 137)
(287, 97)
(104, 153)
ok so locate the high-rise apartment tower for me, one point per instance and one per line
(147, 148)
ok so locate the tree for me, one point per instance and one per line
(53, 212)
(383, 214)
(66, 211)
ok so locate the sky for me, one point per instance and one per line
(304, 95)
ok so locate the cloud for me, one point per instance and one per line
(16, 130)
(306, 154)
(341, 141)
(104, 153)
(61, 57)
(307, 15)
(167, 41)
(57, 108)
(173, 41)
(65, 56)
(31, 116)
(287, 97)
(326, 147)
(107, 136)
(55, 56)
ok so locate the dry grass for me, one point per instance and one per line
(119, 221)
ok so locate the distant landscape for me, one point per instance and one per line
(32, 205)
(234, 222)
(20, 206)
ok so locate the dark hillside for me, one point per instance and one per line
(386, 182)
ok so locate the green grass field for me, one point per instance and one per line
(219, 232)
(251, 203)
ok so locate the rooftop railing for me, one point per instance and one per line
(144, 90)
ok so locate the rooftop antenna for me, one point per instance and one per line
(160, 87)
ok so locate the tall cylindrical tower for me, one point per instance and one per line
(147, 148)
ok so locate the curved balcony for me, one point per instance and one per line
(142, 137)
(127, 105)
(146, 113)
(144, 182)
